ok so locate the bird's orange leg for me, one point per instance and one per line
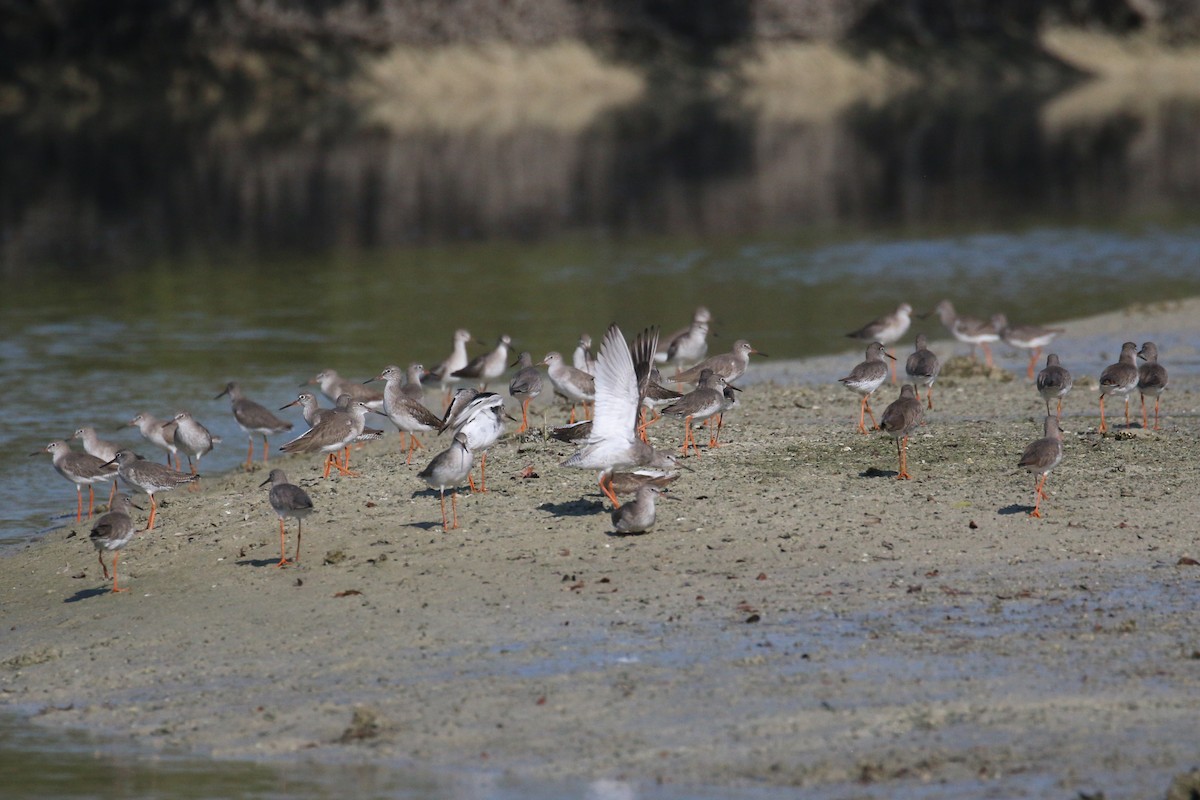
(283, 562)
(1038, 494)
(571, 419)
(103, 566)
(902, 446)
(1145, 419)
(867, 406)
(987, 354)
(112, 493)
(1156, 399)
(1103, 426)
(862, 414)
(78, 503)
(1126, 411)
(328, 464)
(483, 472)
(266, 455)
(299, 532)
(524, 415)
(91, 500)
(445, 527)
(153, 511)
(892, 353)
(249, 452)
(606, 487)
(454, 507)
(1037, 351)
(116, 588)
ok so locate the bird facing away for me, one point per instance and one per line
(526, 385)
(923, 366)
(900, 419)
(576, 386)
(252, 418)
(1028, 337)
(407, 414)
(687, 346)
(111, 532)
(449, 469)
(1040, 457)
(288, 500)
(1120, 378)
(582, 359)
(1053, 383)
(638, 515)
(700, 405)
(613, 443)
(160, 433)
(887, 330)
(79, 468)
(865, 378)
(1152, 379)
(730, 366)
(149, 477)
(490, 365)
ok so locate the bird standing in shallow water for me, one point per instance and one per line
(1053, 383)
(865, 378)
(112, 532)
(81, 469)
(1152, 379)
(288, 500)
(1041, 456)
(1120, 378)
(252, 418)
(899, 419)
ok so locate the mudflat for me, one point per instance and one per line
(796, 617)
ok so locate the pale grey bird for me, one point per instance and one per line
(288, 500)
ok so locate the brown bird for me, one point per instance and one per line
(149, 477)
(923, 366)
(1053, 383)
(865, 378)
(1040, 457)
(111, 532)
(899, 419)
(1152, 379)
(1120, 378)
(704, 402)
(252, 418)
(730, 366)
(1028, 337)
(288, 500)
(887, 329)
(525, 385)
(81, 469)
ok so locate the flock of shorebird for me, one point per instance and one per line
(621, 392)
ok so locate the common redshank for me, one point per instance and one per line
(160, 433)
(1028, 337)
(1119, 379)
(886, 329)
(253, 419)
(150, 477)
(899, 419)
(1041, 456)
(730, 366)
(923, 366)
(408, 415)
(704, 402)
(111, 532)
(1053, 383)
(480, 417)
(288, 500)
(576, 385)
(865, 378)
(525, 386)
(80, 469)
(489, 366)
(449, 469)
(1152, 379)
(688, 346)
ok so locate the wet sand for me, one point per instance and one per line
(797, 617)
